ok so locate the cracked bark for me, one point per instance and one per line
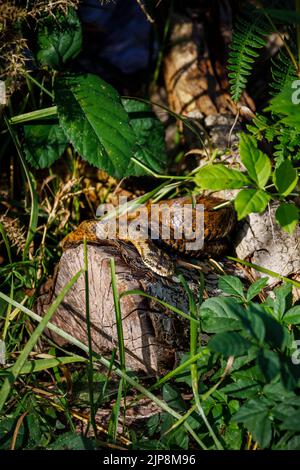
(153, 336)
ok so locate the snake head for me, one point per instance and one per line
(154, 258)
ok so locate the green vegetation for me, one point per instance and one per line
(239, 390)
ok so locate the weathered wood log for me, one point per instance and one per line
(153, 336)
(195, 75)
(263, 242)
(192, 85)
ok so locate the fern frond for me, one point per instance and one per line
(248, 37)
(287, 145)
(283, 72)
(262, 127)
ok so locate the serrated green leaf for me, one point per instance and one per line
(7, 427)
(150, 136)
(290, 374)
(250, 200)
(231, 285)
(277, 392)
(292, 316)
(229, 343)
(269, 363)
(59, 39)
(285, 178)
(35, 430)
(257, 163)
(287, 215)
(92, 116)
(293, 444)
(252, 373)
(73, 441)
(274, 334)
(282, 410)
(256, 288)
(254, 414)
(172, 396)
(292, 422)
(44, 144)
(218, 177)
(219, 314)
(242, 388)
(253, 322)
(283, 300)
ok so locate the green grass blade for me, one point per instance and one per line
(265, 271)
(114, 419)
(38, 365)
(38, 84)
(17, 367)
(106, 363)
(165, 304)
(194, 331)
(89, 336)
(34, 115)
(182, 367)
(105, 385)
(6, 242)
(32, 188)
(118, 314)
(7, 246)
(185, 121)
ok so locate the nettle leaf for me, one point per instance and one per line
(287, 215)
(252, 322)
(269, 363)
(250, 200)
(254, 414)
(283, 410)
(290, 373)
(277, 392)
(283, 300)
(292, 316)
(172, 396)
(59, 39)
(92, 116)
(293, 443)
(285, 178)
(257, 163)
(231, 285)
(242, 388)
(150, 135)
(44, 144)
(229, 343)
(274, 334)
(256, 288)
(292, 422)
(72, 441)
(219, 314)
(218, 177)
(250, 373)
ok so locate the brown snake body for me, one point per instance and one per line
(215, 230)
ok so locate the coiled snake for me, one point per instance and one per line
(215, 230)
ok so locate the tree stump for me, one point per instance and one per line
(262, 241)
(153, 336)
